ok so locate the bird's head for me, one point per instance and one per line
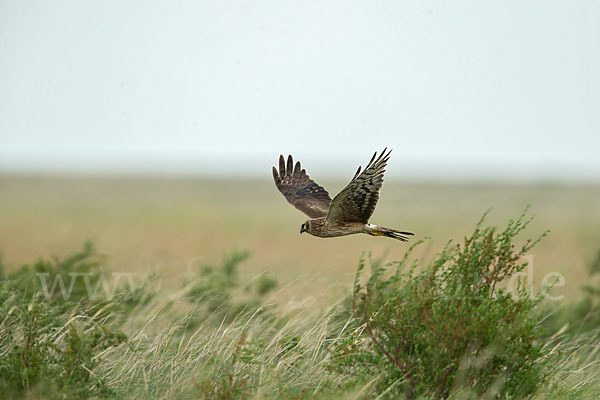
(305, 227)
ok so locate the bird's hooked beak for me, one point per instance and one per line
(302, 229)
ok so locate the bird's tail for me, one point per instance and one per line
(375, 230)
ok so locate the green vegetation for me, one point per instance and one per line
(584, 315)
(450, 325)
(447, 327)
(50, 344)
(212, 289)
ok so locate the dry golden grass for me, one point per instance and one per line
(171, 225)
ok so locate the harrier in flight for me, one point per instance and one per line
(349, 212)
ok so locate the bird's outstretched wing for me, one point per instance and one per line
(357, 201)
(301, 191)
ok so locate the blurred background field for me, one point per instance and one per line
(88, 116)
(173, 226)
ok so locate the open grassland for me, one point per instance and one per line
(249, 308)
(170, 226)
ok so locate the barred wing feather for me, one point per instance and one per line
(299, 190)
(357, 201)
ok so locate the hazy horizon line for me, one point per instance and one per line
(402, 170)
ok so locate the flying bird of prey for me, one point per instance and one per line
(349, 212)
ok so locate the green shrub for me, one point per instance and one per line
(217, 291)
(448, 327)
(52, 278)
(50, 345)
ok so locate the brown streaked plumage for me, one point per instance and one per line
(349, 212)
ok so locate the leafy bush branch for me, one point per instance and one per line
(451, 325)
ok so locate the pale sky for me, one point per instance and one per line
(457, 88)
